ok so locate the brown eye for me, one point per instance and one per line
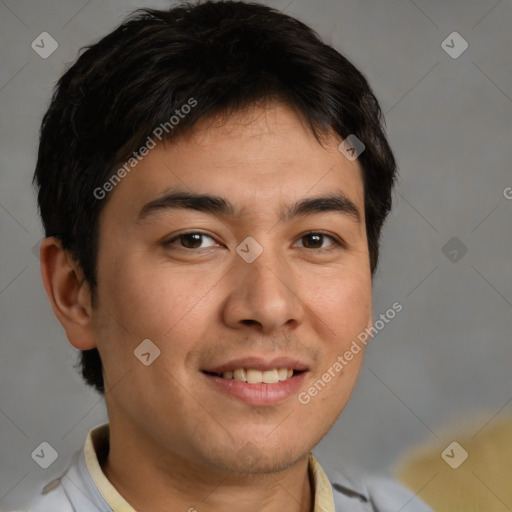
(191, 240)
(312, 241)
(194, 240)
(316, 241)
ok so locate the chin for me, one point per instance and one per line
(262, 460)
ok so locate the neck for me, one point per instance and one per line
(153, 481)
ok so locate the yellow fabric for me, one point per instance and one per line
(481, 483)
(96, 441)
(96, 446)
(324, 501)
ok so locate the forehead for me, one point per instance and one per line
(256, 157)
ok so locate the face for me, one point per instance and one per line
(240, 247)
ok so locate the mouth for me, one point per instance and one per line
(254, 376)
(257, 382)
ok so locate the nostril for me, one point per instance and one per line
(249, 322)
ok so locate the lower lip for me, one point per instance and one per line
(259, 394)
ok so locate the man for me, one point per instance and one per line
(213, 180)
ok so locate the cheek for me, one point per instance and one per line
(158, 304)
(343, 306)
(344, 310)
(155, 300)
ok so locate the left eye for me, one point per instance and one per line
(316, 240)
(191, 240)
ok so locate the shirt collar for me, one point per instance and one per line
(322, 487)
(96, 449)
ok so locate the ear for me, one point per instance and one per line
(69, 294)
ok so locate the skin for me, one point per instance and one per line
(175, 439)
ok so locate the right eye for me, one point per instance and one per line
(191, 240)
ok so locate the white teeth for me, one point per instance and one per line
(270, 377)
(282, 374)
(252, 376)
(240, 375)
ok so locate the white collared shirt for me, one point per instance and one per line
(85, 488)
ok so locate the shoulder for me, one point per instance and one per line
(52, 499)
(391, 495)
(357, 491)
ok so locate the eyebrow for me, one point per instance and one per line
(217, 205)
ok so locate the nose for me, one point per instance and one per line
(263, 296)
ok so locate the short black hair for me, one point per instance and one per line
(225, 56)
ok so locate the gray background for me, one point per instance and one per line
(446, 356)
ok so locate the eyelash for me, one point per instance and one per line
(337, 243)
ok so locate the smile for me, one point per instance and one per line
(247, 385)
(253, 376)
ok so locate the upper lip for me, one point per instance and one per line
(258, 363)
